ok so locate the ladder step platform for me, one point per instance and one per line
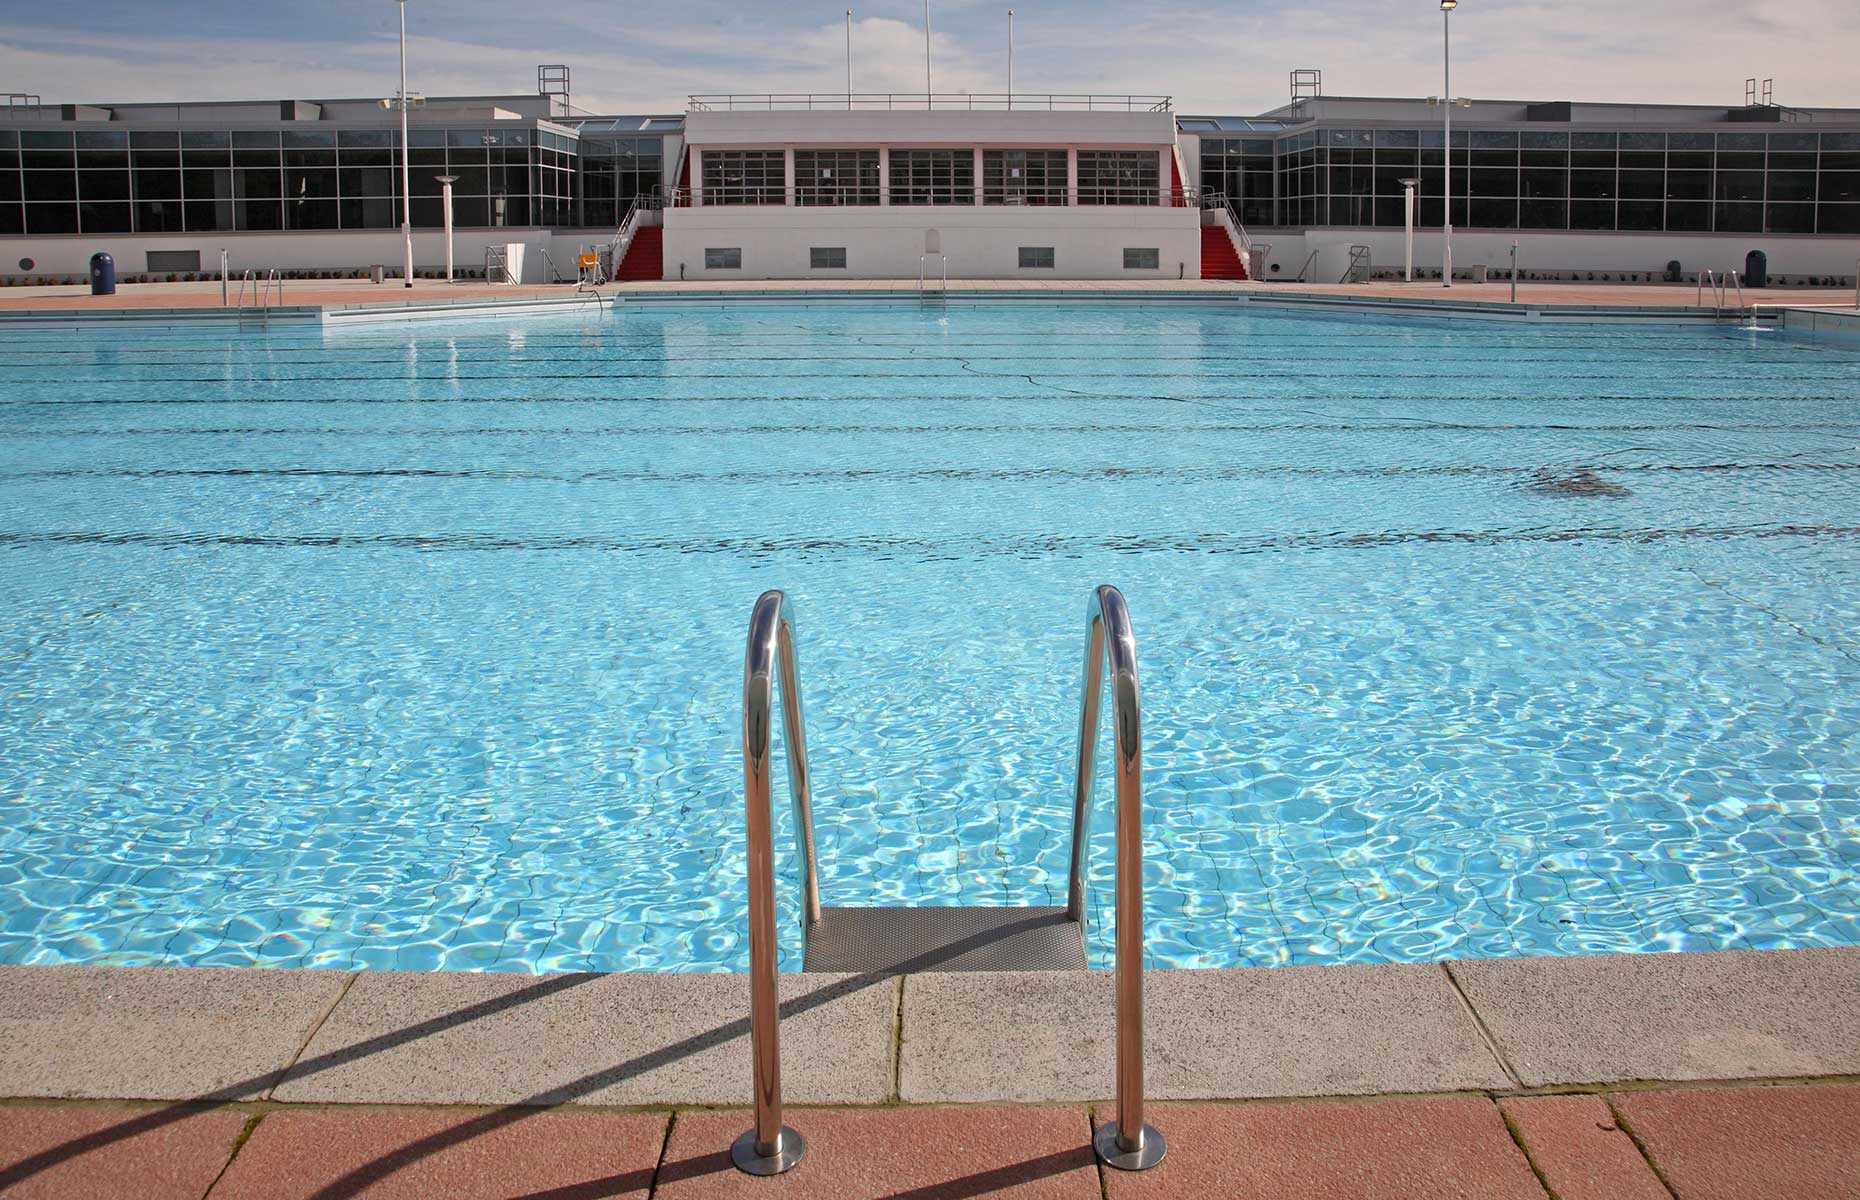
(901, 941)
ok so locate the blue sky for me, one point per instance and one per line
(630, 56)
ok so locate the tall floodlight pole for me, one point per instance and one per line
(406, 190)
(1446, 100)
(927, 88)
(1010, 58)
(849, 58)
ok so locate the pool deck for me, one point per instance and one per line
(1697, 1076)
(343, 300)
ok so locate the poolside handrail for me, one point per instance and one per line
(1705, 278)
(1108, 638)
(770, 1147)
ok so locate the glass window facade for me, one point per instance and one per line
(933, 177)
(830, 177)
(1034, 177)
(108, 181)
(1120, 177)
(1242, 169)
(745, 177)
(1626, 180)
(614, 172)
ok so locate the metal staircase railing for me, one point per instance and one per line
(1025, 942)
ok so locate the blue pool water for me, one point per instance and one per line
(421, 646)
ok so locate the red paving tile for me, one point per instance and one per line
(1454, 1147)
(902, 1154)
(541, 1155)
(101, 1153)
(1746, 1143)
(1580, 1150)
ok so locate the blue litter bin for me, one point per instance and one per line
(102, 274)
(1757, 269)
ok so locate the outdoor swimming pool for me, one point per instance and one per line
(421, 646)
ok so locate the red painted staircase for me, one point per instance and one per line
(645, 256)
(1219, 259)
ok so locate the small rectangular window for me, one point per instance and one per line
(173, 260)
(825, 258)
(1036, 256)
(1142, 259)
(729, 258)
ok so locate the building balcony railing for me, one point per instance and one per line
(976, 101)
(855, 195)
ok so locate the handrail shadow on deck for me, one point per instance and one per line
(387, 1164)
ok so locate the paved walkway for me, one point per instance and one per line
(293, 293)
(338, 292)
(1720, 1076)
(1793, 1142)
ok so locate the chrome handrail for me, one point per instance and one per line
(1734, 281)
(1108, 637)
(1698, 299)
(771, 1147)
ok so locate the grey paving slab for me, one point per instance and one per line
(1726, 1015)
(1233, 1034)
(449, 1038)
(154, 1033)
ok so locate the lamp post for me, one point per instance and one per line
(1408, 186)
(1010, 58)
(445, 199)
(927, 88)
(849, 58)
(1446, 99)
(406, 190)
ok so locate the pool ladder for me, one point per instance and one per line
(265, 292)
(1720, 288)
(895, 940)
(925, 293)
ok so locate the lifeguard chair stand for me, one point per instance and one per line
(589, 273)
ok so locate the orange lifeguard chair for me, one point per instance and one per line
(588, 267)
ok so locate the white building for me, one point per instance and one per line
(779, 190)
(983, 187)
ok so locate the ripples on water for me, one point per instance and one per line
(421, 646)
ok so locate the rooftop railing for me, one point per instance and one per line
(991, 196)
(989, 101)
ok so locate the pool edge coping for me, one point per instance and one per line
(1494, 1026)
(1085, 293)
